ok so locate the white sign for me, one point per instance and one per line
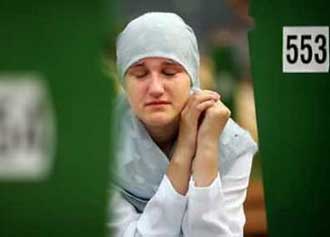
(305, 49)
(26, 127)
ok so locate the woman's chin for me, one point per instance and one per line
(159, 120)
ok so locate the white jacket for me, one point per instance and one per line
(146, 204)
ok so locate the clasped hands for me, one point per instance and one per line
(197, 152)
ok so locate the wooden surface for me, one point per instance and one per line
(256, 224)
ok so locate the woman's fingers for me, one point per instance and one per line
(205, 105)
(198, 102)
(216, 94)
(201, 97)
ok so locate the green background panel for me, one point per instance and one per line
(63, 41)
(293, 122)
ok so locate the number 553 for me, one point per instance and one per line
(305, 49)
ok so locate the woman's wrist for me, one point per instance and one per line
(205, 163)
(207, 143)
(204, 172)
(179, 170)
(182, 156)
(186, 145)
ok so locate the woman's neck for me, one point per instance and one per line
(164, 136)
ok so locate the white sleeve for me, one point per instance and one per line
(162, 215)
(217, 210)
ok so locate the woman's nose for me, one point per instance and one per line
(156, 87)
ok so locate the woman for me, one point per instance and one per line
(183, 164)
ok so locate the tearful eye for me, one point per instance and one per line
(139, 73)
(169, 72)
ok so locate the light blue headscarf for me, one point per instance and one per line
(141, 163)
(158, 34)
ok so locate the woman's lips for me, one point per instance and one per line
(157, 103)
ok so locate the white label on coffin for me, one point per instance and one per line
(26, 127)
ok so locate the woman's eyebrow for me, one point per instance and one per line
(171, 63)
(137, 64)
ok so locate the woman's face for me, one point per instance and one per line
(157, 90)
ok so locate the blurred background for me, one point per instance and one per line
(55, 100)
(221, 27)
